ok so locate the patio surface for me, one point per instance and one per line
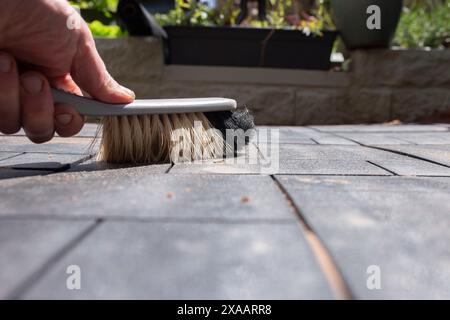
(347, 200)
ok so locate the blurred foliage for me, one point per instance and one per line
(98, 29)
(193, 13)
(107, 8)
(196, 13)
(424, 24)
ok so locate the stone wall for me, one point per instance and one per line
(380, 85)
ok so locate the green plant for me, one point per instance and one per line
(313, 23)
(107, 8)
(196, 13)
(98, 29)
(424, 24)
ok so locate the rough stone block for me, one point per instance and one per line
(412, 105)
(399, 68)
(131, 59)
(320, 106)
(368, 105)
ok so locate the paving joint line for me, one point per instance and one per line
(322, 254)
(409, 155)
(11, 156)
(169, 168)
(393, 151)
(381, 167)
(64, 167)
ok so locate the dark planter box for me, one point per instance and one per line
(248, 47)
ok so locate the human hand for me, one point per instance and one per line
(39, 49)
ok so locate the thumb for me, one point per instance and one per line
(89, 72)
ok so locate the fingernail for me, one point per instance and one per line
(5, 64)
(64, 119)
(39, 136)
(128, 92)
(32, 84)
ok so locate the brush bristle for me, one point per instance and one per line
(151, 139)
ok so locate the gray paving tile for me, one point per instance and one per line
(397, 223)
(304, 135)
(26, 245)
(325, 139)
(427, 138)
(134, 192)
(189, 261)
(231, 165)
(6, 155)
(299, 135)
(9, 173)
(414, 167)
(44, 161)
(216, 167)
(422, 185)
(334, 152)
(248, 161)
(376, 138)
(56, 145)
(330, 167)
(285, 166)
(437, 153)
(382, 128)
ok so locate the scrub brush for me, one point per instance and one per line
(165, 130)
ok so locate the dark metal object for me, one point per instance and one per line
(351, 17)
(134, 15)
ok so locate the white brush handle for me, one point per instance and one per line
(91, 107)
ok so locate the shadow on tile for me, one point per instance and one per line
(93, 165)
(11, 173)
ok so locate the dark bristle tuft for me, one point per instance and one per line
(240, 119)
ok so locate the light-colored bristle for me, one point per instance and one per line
(150, 139)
